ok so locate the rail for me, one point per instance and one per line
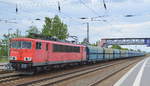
(59, 78)
(110, 74)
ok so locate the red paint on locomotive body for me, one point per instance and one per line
(42, 52)
(21, 53)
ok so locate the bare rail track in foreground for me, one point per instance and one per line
(4, 68)
(9, 77)
(95, 77)
(110, 74)
(66, 76)
(6, 71)
(55, 72)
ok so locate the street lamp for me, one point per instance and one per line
(9, 31)
(8, 41)
(87, 23)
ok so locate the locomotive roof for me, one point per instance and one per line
(17, 39)
(40, 40)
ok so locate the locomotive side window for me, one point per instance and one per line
(55, 48)
(38, 45)
(77, 49)
(61, 48)
(65, 48)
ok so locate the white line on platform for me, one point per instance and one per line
(119, 82)
(140, 73)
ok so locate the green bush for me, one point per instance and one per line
(3, 51)
(3, 59)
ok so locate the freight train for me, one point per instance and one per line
(28, 54)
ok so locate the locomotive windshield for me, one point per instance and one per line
(21, 44)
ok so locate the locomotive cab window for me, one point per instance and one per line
(26, 45)
(21, 44)
(38, 45)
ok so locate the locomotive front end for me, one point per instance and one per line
(21, 53)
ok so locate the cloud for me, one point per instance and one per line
(72, 10)
(121, 30)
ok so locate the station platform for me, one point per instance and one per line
(139, 75)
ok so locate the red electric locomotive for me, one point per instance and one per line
(31, 54)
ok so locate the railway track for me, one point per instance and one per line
(15, 80)
(110, 74)
(12, 79)
(94, 78)
(5, 68)
(6, 71)
(9, 77)
(1, 67)
(69, 75)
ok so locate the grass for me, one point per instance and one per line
(3, 59)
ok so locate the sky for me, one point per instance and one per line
(116, 25)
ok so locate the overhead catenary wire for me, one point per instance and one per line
(59, 9)
(68, 16)
(108, 11)
(92, 10)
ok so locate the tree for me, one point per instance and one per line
(119, 47)
(125, 49)
(47, 27)
(116, 47)
(131, 50)
(5, 41)
(16, 34)
(33, 29)
(55, 27)
(139, 50)
(84, 41)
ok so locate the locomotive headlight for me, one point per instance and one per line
(13, 58)
(27, 59)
